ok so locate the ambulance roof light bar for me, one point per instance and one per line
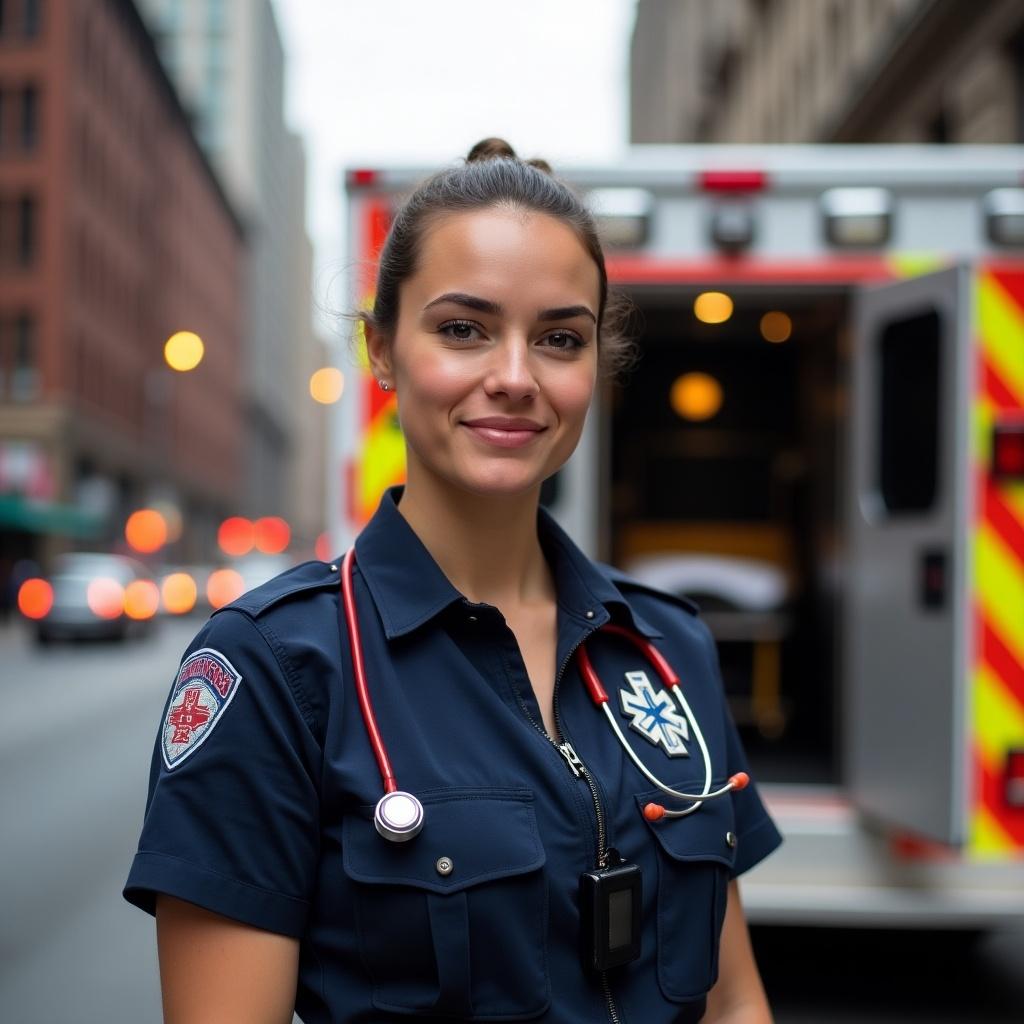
(857, 217)
(1004, 216)
(362, 177)
(623, 215)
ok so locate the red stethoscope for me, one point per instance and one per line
(398, 816)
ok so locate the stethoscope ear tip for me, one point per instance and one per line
(654, 812)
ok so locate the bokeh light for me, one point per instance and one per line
(236, 536)
(322, 548)
(105, 598)
(183, 351)
(272, 535)
(179, 593)
(141, 600)
(712, 307)
(696, 396)
(146, 530)
(776, 326)
(35, 599)
(327, 384)
(223, 587)
(172, 517)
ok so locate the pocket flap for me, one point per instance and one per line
(485, 834)
(706, 834)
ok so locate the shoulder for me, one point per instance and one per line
(291, 623)
(302, 582)
(630, 585)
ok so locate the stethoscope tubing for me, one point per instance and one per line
(359, 671)
(405, 820)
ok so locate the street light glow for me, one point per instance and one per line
(327, 384)
(183, 351)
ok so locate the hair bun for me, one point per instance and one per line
(490, 149)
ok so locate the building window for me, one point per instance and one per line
(25, 374)
(29, 117)
(31, 18)
(26, 230)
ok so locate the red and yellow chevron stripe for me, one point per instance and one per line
(380, 457)
(997, 829)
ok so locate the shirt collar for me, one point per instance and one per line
(409, 588)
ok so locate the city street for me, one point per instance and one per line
(75, 738)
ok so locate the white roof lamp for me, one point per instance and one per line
(623, 216)
(1004, 217)
(857, 217)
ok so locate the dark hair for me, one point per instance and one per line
(492, 175)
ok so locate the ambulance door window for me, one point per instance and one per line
(908, 457)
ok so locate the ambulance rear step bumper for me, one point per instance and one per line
(834, 868)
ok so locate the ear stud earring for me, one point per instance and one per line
(384, 385)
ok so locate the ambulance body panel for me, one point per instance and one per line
(882, 703)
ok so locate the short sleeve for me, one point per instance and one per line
(757, 835)
(232, 815)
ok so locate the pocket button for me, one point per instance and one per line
(730, 840)
(445, 866)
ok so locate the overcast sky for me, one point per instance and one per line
(419, 81)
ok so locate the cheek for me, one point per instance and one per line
(432, 380)
(572, 396)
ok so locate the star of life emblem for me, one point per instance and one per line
(654, 715)
(204, 687)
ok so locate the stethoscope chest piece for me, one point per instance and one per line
(398, 816)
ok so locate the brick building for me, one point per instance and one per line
(828, 71)
(114, 234)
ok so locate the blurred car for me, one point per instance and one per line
(93, 595)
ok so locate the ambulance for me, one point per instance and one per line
(822, 443)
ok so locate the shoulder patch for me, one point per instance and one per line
(204, 687)
(621, 579)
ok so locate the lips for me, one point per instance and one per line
(504, 431)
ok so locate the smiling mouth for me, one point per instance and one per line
(504, 433)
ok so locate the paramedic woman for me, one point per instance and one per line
(272, 888)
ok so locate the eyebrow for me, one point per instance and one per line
(495, 309)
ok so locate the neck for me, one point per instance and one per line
(487, 546)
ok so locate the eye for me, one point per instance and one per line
(563, 341)
(459, 330)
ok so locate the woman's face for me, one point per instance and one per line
(494, 359)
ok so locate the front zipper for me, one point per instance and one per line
(579, 769)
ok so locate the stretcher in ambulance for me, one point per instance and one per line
(822, 443)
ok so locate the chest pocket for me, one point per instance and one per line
(455, 921)
(695, 855)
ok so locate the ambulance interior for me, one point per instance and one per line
(726, 456)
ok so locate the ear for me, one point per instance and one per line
(378, 352)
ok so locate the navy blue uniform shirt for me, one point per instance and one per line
(263, 786)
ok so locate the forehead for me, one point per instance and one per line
(521, 259)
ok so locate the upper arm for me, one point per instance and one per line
(216, 970)
(233, 816)
(738, 996)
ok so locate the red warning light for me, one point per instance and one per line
(273, 535)
(236, 536)
(1008, 451)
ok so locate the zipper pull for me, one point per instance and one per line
(571, 758)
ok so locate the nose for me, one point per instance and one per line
(510, 372)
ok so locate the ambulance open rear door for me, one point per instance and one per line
(906, 620)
